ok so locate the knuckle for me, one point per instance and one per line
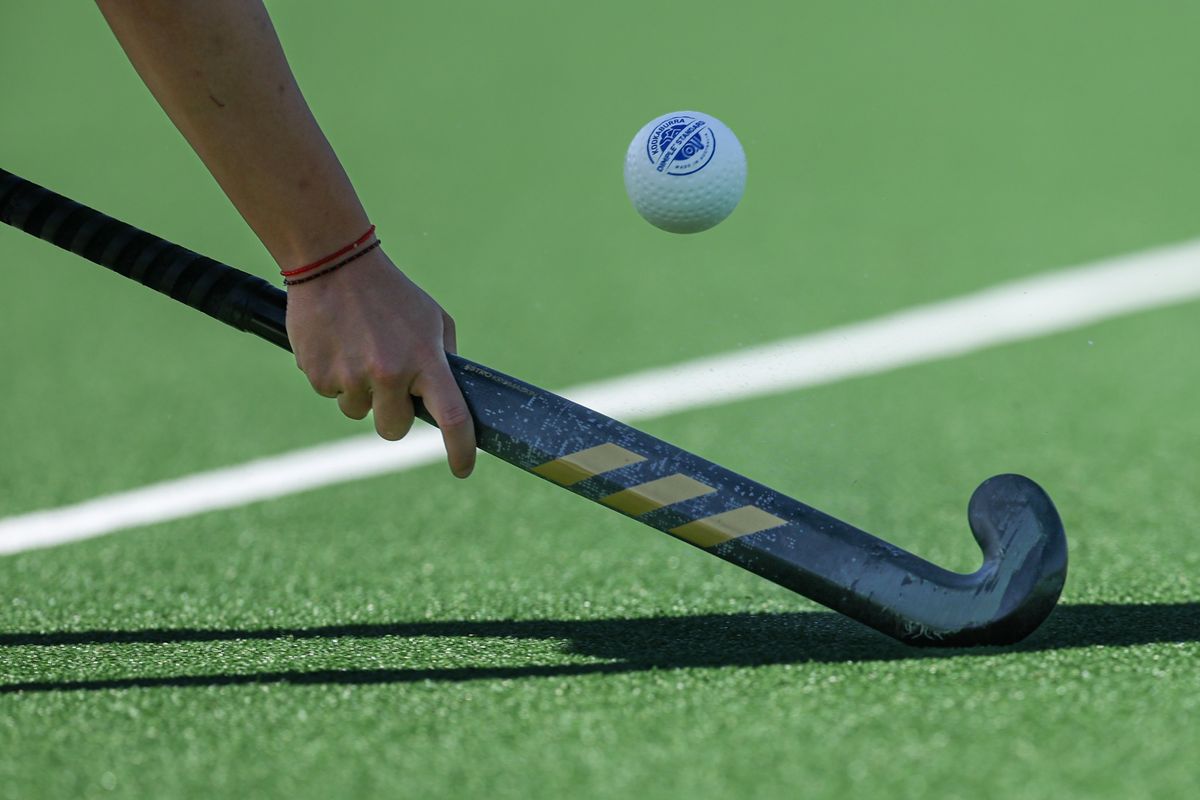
(434, 369)
(428, 350)
(426, 357)
(347, 379)
(385, 373)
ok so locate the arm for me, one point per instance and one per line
(365, 334)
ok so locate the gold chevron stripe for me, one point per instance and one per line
(580, 466)
(727, 525)
(645, 497)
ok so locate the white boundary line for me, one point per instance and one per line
(1010, 312)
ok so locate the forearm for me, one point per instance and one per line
(218, 70)
(366, 335)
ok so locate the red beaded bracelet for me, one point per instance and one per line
(357, 243)
(333, 267)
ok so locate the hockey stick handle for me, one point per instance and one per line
(236, 298)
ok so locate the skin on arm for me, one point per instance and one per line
(364, 334)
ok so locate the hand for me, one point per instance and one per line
(372, 338)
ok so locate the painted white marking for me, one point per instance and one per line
(1010, 312)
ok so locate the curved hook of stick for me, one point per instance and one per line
(909, 598)
(1025, 557)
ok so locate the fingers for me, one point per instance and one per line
(449, 335)
(444, 401)
(393, 408)
(388, 394)
(355, 403)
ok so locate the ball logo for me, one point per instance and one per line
(681, 145)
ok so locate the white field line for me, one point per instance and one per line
(1010, 312)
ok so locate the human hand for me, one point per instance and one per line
(370, 337)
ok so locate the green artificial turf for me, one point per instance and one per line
(417, 636)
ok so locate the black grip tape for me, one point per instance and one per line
(234, 297)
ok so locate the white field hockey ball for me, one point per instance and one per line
(685, 172)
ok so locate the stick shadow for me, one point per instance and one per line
(631, 645)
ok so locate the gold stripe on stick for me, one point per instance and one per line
(580, 466)
(727, 525)
(646, 497)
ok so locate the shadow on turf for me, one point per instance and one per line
(634, 645)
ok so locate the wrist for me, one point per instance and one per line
(356, 277)
(332, 261)
(303, 239)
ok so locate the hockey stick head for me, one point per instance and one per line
(1025, 556)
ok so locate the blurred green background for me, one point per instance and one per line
(899, 153)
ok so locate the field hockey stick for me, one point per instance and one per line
(647, 479)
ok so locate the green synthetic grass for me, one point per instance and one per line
(416, 636)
